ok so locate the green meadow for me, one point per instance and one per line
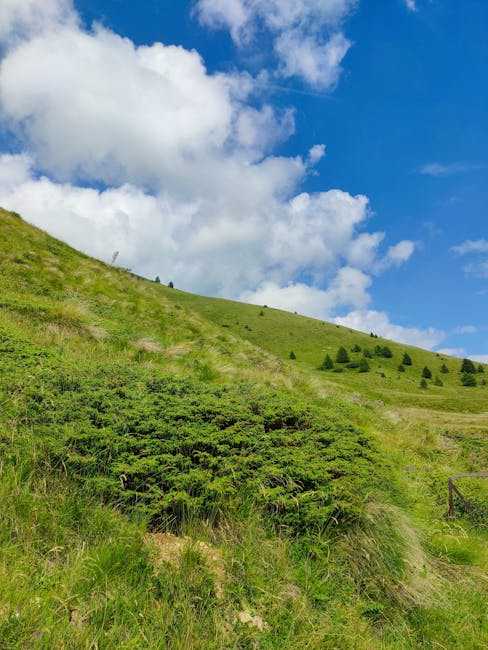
(186, 472)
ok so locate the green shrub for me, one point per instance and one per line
(293, 356)
(165, 448)
(423, 383)
(352, 365)
(367, 354)
(401, 368)
(444, 369)
(383, 351)
(356, 348)
(438, 381)
(480, 368)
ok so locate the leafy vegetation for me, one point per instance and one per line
(169, 478)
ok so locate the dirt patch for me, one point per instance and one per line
(170, 549)
(97, 333)
(147, 345)
(246, 618)
(178, 350)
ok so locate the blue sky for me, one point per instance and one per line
(396, 91)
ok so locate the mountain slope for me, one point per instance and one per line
(170, 478)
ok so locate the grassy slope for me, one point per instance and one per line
(77, 573)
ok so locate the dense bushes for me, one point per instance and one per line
(168, 447)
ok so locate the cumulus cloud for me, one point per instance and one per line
(379, 323)
(192, 190)
(20, 18)
(197, 244)
(307, 36)
(349, 288)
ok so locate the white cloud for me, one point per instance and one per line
(194, 194)
(306, 33)
(316, 153)
(439, 170)
(199, 244)
(465, 329)
(379, 323)
(453, 352)
(319, 64)
(349, 288)
(19, 18)
(411, 5)
(482, 358)
(477, 269)
(471, 246)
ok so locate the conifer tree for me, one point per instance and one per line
(480, 368)
(363, 365)
(468, 379)
(401, 368)
(157, 280)
(467, 366)
(438, 381)
(426, 373)
(342, 356)
(327, 363)
(293, 356)
(444, 369)
(407, 359)
(423, 383)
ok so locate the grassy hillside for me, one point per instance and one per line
(169, 478)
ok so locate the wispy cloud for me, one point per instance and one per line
(465, 329)
(477, 269)
(452, 352)
(411, 5)
(440, 170)
(471, 246)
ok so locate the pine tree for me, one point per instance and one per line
(426, 373)
(342, 356)
(157, 280)
(438, 381)
(467, 366)
(327, 363)
(363, 365)
(468, 379)
(407, 359)
(444, 369)
(423, 383)
(171, 285)
(356, 348)
(387, 353)
(401, 368)
(480, 368)
(293, 356)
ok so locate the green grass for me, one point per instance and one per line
(129, 409)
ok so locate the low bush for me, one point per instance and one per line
(165, 448)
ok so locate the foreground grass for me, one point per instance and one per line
(169, 479)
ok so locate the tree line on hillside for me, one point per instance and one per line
(342, 360)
